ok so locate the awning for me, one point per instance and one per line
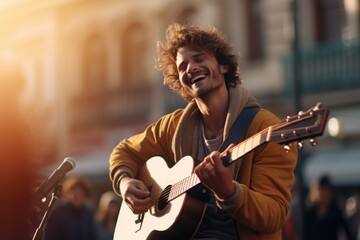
(341, 164)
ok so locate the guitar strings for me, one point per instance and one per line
(178, 187)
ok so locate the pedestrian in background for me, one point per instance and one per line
(324, 218)
(72, 218)
(352, 213)
(107, 214)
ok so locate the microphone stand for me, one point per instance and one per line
(54, 196)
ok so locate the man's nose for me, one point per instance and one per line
(191, 67)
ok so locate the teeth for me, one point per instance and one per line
(198, 77)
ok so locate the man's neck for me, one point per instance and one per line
(214, 111)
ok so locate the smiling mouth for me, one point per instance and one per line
(198, 78)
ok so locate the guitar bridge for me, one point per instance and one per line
(140, 218)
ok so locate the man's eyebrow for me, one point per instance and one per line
(196, 55)
(200, 54)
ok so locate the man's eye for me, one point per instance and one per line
(182, 68)
(199, 59)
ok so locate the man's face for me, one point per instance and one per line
(199, 72)
(77, 197)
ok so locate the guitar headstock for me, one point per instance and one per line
(305, 125)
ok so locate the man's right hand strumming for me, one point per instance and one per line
(135, 194)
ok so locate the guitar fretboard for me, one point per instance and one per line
(247, 146)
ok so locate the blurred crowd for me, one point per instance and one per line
(326, 216)
(75, 217)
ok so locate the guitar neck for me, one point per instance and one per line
(235, 153)
(247, 146)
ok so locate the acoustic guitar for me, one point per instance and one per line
(175, 214)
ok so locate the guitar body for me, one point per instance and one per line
(178, 219)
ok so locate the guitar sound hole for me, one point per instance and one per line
(164, 197)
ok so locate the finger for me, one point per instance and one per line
(141, 186)
(140, 190)
(206, 160)
(227, 150)
(209, 167)
(141, 202)
(216, 160)
(200, 171)
(137, 208)
(138, 205)
(141, 193)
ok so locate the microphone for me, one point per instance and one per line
(55, 178)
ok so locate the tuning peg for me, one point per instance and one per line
(308, 130)
(287, 148)
(318, 106)
(313, 142)
(300, 113)
(300, 145)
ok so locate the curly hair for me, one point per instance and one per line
(211, 41)
(77, 182)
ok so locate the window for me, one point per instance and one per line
(330, 16)
(134, 56)
(255, 38)
(94, 65)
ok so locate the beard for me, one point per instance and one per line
(217, 81)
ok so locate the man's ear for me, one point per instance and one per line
(224, 68)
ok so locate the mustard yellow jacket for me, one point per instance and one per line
(266, 174)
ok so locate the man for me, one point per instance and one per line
(250, 199)
(324, 217)
(72, 218)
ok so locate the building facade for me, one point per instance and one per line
(91, 63)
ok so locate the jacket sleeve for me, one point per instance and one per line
(266, 177)
(130, 154)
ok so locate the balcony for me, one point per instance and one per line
(325, 68)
